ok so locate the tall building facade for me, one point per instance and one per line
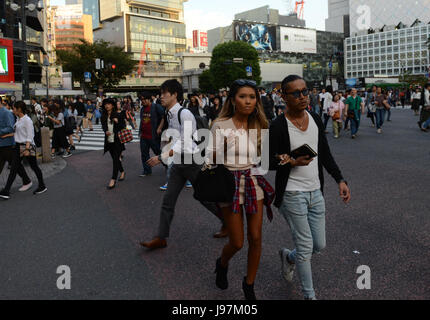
(388, 53)
(366, 14)
(152, 31)
(71, 25)
(338, 16)
(91, 7)
(10, 28)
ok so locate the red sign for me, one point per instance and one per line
(7, 73)
(195, 38)
(204, 39)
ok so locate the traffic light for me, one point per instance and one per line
(113, 67)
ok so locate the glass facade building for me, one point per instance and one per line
(91, 7)
(388, 53)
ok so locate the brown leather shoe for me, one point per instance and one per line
(155, 243)
(223, 233)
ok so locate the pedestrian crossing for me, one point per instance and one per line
(94, 140)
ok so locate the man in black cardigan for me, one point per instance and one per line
(300, 181)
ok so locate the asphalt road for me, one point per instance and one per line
(95, 232)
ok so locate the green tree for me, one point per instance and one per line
(206, 81)
(82, 58)
(222, 69)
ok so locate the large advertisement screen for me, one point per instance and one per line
(298, 40)
(3, 61)
(260, 36)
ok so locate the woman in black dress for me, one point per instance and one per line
(112, 123)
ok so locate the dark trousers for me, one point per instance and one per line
(326, 118)
(179, 174)
(18, 168)
(115, 152)
(145, 145)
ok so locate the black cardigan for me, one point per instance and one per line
(117, 127)
(280, 144)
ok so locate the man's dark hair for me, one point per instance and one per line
(173, 86)
(44, 100)
(21, 105)
(1, 100)
(146, 96)
(287, 80)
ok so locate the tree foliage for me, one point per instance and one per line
(223, 72)
(82, 58)
(206, 81)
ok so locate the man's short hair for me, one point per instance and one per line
(146, 95)
(173, 86)
(288, 80)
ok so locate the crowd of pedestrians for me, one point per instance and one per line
(296, 119)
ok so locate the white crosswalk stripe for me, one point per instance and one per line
(94, 140)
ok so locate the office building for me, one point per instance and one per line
(91, 7)
(10, 30)
(71, 26)
(152, 31)
(338, 17)
(392, 51)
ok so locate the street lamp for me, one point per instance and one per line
(25, 5)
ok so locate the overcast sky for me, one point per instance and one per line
(209, 14)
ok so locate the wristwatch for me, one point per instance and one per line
(160, 158)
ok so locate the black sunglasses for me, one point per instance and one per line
(296, 94)
(245, 82)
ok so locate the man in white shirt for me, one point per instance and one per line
(183, 149)
(300, 180)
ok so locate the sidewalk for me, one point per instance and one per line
(48, 169)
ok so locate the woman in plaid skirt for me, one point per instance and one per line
(113, 123)
(241, 114)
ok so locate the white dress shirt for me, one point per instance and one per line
(188, 128)
(24, 130)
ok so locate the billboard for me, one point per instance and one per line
(200, 39)
(7, 73)
(298, 40)
(203, 39)
(4, 70)
(260, 36)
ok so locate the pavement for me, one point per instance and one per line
(48, 169)
(95, 232)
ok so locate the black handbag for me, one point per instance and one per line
(214, 184)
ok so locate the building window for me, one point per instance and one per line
(364, 45)
(156, 13)
(389, 42)
(395, 41)
(354, 47)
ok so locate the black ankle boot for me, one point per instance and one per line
(248, 290)
(221, 275)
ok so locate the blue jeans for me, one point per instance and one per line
(389, 114)
(305, 214)
(426, 124)
(145, 145)
(355, 123)
(380, 116)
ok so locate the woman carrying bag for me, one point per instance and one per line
(25, 148)
(242, 112)
(113, 123)
(336, 112)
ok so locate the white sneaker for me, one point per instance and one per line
(379, 131)
(25, 187)
(287, 268)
